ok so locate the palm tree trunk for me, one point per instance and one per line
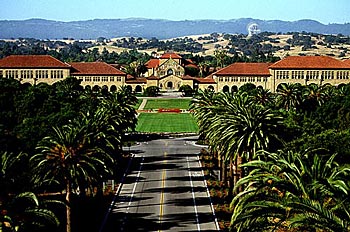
(68, 209)
(236, 172)
(223, 170)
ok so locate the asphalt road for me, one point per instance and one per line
(164, 191)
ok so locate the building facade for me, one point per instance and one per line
(168, 73)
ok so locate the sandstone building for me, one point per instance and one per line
(168, 73)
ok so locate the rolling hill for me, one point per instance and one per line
(159, 28)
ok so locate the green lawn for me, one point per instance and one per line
(167, 104)
(166, 122)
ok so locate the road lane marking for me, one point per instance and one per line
(136, 182)
(161, 205)
(193, 195)
(211, 203)
(116, 195)
(132, 194)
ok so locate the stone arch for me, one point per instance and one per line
(226, 89)
(113, 88)
(138, 89)
(129, 88)
(170, 85)
(210, 87)
(96, 88)
(87, 87)
(104, 89)
(234, 89)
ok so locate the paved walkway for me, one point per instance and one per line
(143, 104)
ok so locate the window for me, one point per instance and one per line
(282, 75)
(178, 73)
(111, 78)
(87, 78)
(170, 72)
(235, 79)
(220, 79)
(11, 74)
(258, 79)
(119, 78)
(96, 79)
(104, 79)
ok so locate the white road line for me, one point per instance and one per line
(211, 203)
(132, 194)
(193, 196)
(136, 182)
(116, 194)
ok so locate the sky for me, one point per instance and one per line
(324, 11)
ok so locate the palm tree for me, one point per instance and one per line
(75, 156)
(293, 190)
(203, 68)
(289, 96)
(235, 126)
(21, 212)
(220, 56)
(243, 129)
(263, 97)
(8, 162)
(24, 213)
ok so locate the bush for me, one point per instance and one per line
(186, 90)
(152, 91)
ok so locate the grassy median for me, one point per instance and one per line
(167, 104)
(166, 122)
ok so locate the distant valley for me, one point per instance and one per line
(148, 28)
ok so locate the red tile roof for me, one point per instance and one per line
(31, 61)
(347, 61)
(94, 68)
(247, 69)
(152, 63)
(153, 78)
(192, 66)
(207, 80)
(309, 62)
(188, 77)
(137, 81)
(170, 55)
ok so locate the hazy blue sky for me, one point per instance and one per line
(325, 11)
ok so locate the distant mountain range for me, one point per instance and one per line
(147, 28)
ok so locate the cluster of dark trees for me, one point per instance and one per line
(285, 155)
(179, 44)
(61, 139)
